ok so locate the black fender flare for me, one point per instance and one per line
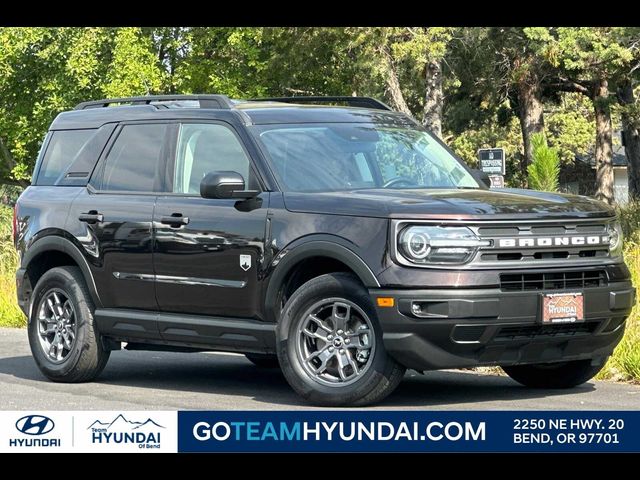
(330, 246)
(61, 244)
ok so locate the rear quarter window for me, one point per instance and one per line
(62, 150)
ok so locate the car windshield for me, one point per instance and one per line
(348, 156)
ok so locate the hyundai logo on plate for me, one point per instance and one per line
(35, 425)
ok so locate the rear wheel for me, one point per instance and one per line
(62, 333)
(330, 344)
(263, 360)
(554, 375)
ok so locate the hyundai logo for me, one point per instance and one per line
(35, 425)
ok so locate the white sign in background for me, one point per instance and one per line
(100, 431)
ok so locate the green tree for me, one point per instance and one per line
(570, 126)
(44, 71)
(521, 68)
(134, 69)
(588, 60)
(627, 96)
(317, 61)
(544, 171)
(410, 61)
(226, 60)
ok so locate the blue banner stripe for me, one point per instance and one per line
(420, 431)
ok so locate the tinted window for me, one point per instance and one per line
(204, 148)
(134, 162)
(61, 152)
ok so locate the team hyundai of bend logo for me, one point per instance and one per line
(121, 430)
(566, 241)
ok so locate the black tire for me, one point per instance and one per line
(87, 356)
(381, 377)
(263, 360)
(554, 375)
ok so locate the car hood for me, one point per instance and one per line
(448, 204)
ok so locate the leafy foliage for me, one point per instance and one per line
(44, 71)
(543, 173)
(133, 69)
(624, 364)
(10, 313)
(570, 127)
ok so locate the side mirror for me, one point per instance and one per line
(225, 185)
(481, 177)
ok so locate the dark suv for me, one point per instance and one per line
(342, 243)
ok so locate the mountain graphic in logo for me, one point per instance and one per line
(121, 423)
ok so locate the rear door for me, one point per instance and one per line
(208, 252)
(112, 216)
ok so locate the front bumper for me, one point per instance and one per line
(456, 328)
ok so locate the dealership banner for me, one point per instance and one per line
(320, 431)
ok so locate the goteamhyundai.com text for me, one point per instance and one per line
(345, 431)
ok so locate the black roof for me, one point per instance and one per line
(256, 112)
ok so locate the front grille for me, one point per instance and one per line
(520, 282)
(544, 331)
(542, 243)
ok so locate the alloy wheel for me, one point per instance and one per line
(336, 342)
(56, 325)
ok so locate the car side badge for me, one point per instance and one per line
(245, 262)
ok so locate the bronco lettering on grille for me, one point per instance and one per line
(553, 241)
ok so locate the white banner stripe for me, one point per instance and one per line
(89, 431)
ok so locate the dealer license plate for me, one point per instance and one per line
(562, 307)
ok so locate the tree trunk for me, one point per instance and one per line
(531, 118)
(393, 84)
(631, 139)
(604, 145)
(434, 98)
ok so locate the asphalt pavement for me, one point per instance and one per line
(213, 381)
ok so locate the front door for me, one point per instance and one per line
(208, 252)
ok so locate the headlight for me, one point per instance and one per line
(614, 230)
(424, 245)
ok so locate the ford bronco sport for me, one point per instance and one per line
(342, 243)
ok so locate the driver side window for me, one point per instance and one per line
(204, 148)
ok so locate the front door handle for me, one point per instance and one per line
(92, 216)
(175, 220)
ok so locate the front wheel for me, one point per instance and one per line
(554, 375)
(330, 344)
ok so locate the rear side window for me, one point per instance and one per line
(135, 161)
(62, 150)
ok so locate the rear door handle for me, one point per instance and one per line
(92, 216)
(175, 220)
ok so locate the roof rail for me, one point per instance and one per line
(365, 102)
(206, 101)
